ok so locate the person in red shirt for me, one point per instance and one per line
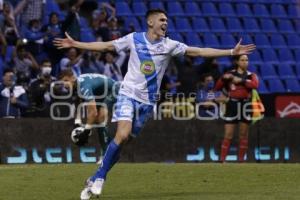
(238, 85)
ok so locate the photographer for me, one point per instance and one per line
(40, 90)
(13, 98)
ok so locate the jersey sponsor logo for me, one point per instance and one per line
(148, 67)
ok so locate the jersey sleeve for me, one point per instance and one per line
(177, 48)
(123, 43)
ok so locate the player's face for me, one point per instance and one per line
(159, 24)
(243, 62)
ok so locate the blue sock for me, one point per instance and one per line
(111, 154)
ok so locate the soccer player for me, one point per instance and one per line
(150, 53)
(99, 92)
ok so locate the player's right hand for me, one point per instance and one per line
(61, 43)
(80, 136)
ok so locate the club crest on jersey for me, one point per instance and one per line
(147, 67)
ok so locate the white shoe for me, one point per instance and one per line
(86, 192)
(100, 160)
(97, 186)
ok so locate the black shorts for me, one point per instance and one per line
(238, 110)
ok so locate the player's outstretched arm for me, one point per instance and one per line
(210, 52)
(68, 42)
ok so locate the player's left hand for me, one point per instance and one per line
(80, 136)
(243, 49)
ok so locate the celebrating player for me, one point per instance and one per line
(150, 53)
(99, 92)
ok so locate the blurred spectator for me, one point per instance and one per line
(113, 64)
(39, 90)
(208, 97)
(171, 79)
(8, 24)
(31, 9)
(114, 30)
(100, 26)
(92, 63)
(211, 66)
(72, 21)
(52, 30)
(13, 98)
(187, 75)
(24, 62)
(35, 38)
(73, 61)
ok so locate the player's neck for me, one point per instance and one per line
(152, 37)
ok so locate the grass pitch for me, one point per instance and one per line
(154, 182)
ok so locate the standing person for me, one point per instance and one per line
(113, 64)
(150, 53)
(238, 84)
(13, 97)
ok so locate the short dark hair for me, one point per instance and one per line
(64, 73)
(8, 70)
(154, 12)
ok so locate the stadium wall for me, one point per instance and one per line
(167, 140)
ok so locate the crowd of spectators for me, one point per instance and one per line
(29, 62)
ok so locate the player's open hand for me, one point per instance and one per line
(243, 49)
(67, 42)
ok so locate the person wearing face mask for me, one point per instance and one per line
(39, 90)
(208, 98)
(238, 84)
(13, 98)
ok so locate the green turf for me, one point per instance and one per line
(155, 182)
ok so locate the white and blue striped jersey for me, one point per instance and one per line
(147, 64)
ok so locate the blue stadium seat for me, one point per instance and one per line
(192, 9)
(247, 39)
(193, 39)
(234, 25)
(285, 71)
(52, 6)
(262, 88)
(176, 36)
(86, 35)
(293, 11)
(174, 9)
(277, 41)
(224, 61)
(183, 25)
(200, 25)
(156, 5)
(139, 8)
(123, 9)
(226, 9)
(276, 86)
(292, 85)
(261, 41)
(268, 26)
(217, 25)
(277, 10)
(227, 41)
(260, 10)
(255, 58)
(210, 40)
(134, 21)
(83, 23)
(209, 9)
(286, 56)
(252, 68)
(297, 55)
(171, 26)
(293, 40)
(243, 10)
(298, 70)
(270, 56)
(285, 26)
(251, 25)
(267, 71)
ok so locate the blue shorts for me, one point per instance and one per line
(132, 110)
